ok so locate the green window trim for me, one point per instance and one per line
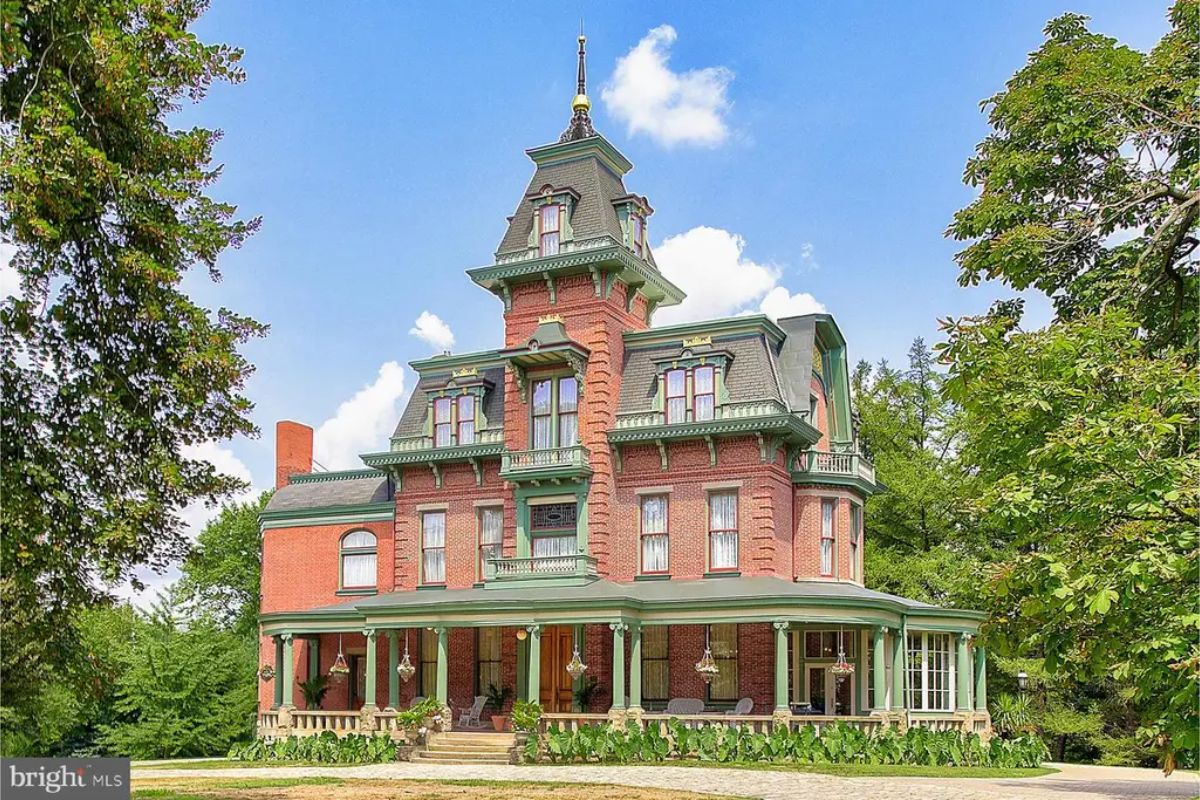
(350, 551)
(555, 414)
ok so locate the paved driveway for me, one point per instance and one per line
(1074, 782)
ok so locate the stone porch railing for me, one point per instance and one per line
(284, 722)
(969, 722)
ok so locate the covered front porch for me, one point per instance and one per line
(773, 653)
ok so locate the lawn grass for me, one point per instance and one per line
(228, 763)
(846, 770)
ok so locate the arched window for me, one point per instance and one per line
(358, 560)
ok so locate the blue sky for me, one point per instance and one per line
(382, 143)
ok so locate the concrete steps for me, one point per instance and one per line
(458, 747)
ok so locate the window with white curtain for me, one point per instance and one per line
(433, 547)
(568, 412)
(722, 531)
(543, 416)
(442, 424)
(704, 398)
(548, 239)
(654, 534)
(358, 560)
(930, 670)
(466, 419)
(828, 519)
(676, 398)
(491, 536)
(552, 527)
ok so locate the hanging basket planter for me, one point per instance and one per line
(339, 669)
(842, 668)
(707, 667)
(575, 667)
(405, 668)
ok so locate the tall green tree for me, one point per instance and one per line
(222, 574)
(1083, 435)
(110, 371)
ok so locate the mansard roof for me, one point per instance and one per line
(412, 421)
(331, 490)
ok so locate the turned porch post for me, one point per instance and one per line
(288, 675)
(781, 667)
(618, 682)
(635, 666)
(879, 666)
(443, 665)
(534, 667)
(393, 674)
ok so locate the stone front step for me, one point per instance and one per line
(462, 757)
(470, 747)
(482, 736)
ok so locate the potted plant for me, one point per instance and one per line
(496, 698)
(314, 690)
(586, 693)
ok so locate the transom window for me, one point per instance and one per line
(552, 527)
(828, 517)
(491, 536)
(722, 531)
(454, 420)
(656, 662)
(548, 233)
(433, 547)
(929, 672)
(655, 540)
(555, 401)
(358, 560)
(824, 644)
(723, 640)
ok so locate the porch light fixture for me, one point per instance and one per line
(1022, 680)
(521, 634)
(841, 668)
(575, 667)
(405, 669)
(339, 668)
(266, 673)
(706, 666)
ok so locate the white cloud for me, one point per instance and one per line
(808, 258)
(430, 329)
(670, 107)
(362, 423)
(709, 265)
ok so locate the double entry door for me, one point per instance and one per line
(827, 694)
(557, 690)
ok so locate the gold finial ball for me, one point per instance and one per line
(581, 103)
(582, 38)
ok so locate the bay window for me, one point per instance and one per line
(722, 531)
(828, 520)
(548, 230)
(433, 547)
(929, 672)
(655, 541)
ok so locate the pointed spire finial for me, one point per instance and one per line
(581, 123)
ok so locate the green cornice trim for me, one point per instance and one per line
(753, 323)
(433, 454)
(791, 426)
(328, 515)
(826, 479)
(481, 358)
(341, 475)
(631, 269)
(596, 146)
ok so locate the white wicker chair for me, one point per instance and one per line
(743, 707)
(469, 717)
(684, 706)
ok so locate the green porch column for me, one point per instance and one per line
(534, 667)
(393, 675)
(443, 665)
(898, 642)
(289, 677)
(781, 666)
(278, 671)
(372, 667)
(962, 678)
(980, 678)
(635, 666)
(879, 665)
(618, 682)
(522, 676)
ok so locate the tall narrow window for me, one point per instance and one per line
(654, 535)
(703, 394)
(552, 527)
(491, 536)
(549, 230)
(466, 419)
(827, 536)
(543, 416)
(427, 658)
(722, 531)
(870, 673)
(855, 538)
(639, 235)
(433, 547)
(723, 641)
(929, 671)
(442, 425)
(656, 663)
(568, 412)
(358, 560)
(487, 660)
(676, 405)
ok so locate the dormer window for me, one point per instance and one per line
(676, 405)
(466, 419)
(704, 394)
(549, 227)
(639, 235)
(443, 408)
(454, 420)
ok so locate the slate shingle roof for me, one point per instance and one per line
(324, 494)
(412, 421)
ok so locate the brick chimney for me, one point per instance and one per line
(293, 450)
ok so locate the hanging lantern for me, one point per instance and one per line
(266, 673)
(841, 668)
(339, 669)
(575, 667)
(707, 667)
(405, 669)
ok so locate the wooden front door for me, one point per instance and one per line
(558, 645)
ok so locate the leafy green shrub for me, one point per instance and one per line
(418, 716)
(839, 743)
(526, 716)
(325, 748)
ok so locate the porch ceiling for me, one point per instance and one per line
(740, 599)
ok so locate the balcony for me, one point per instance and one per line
(550, 464)
(560, 570)
(821, 466)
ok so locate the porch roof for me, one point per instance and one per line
(700, 601)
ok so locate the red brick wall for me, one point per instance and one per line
(806, 546)
(293, 450)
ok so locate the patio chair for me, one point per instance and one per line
(743, 707)
(684, 706)
(469, 717)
